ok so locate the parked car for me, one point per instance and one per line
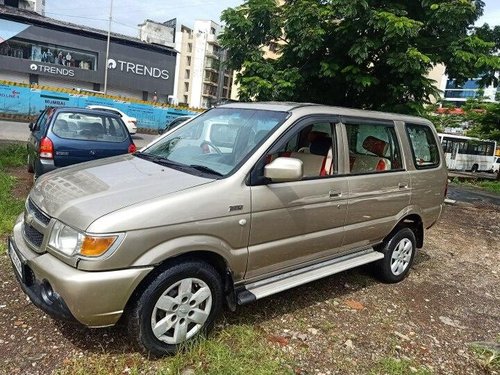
(66, 136)
(175, 122)
(166, 236)
(130, 122)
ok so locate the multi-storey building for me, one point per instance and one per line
(202, 78)
(37, 6)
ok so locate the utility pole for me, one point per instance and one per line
(107, 48)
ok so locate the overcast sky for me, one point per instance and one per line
(127, 14)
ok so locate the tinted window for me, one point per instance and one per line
(74, 125)
(424, 146)
(372, 148)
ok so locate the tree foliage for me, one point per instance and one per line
(485, 118)
(361, 53)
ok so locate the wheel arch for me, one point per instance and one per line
(216, 260)
(415, 223)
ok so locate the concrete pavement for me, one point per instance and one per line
(19, 132)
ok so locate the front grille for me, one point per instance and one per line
(32, 235)
(37, 213)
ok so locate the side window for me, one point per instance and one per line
(372, 148)
(43, 120)
(314, 145)
(424, 146)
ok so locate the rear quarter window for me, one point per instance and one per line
(424, 146)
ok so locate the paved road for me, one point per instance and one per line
(19, 131)
(471, 195)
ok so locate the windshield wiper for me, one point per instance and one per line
(159, 160)
(203, 168)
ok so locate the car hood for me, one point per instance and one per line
(80, 194)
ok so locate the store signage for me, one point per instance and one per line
(138, 69)
(52, 70)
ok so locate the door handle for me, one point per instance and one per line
(334, 194)
(402, 186)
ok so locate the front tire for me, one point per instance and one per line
(177, 305)
(399, 252)
(475, 168)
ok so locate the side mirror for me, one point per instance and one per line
(31, 126)
(284, 169)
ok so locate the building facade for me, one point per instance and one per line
(202, 80)
(158, 33)
(38, 50)
(37, 6)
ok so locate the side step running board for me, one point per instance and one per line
(279, 283)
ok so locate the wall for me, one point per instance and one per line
(27, 101)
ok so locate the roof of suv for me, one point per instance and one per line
(325, 109)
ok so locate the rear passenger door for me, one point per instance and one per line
(298, 222)
(428, 172)
(379, 184)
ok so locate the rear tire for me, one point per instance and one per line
(30, 165)
(399, 252)
(177, 305)
(475, 168)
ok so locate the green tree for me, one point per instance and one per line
(485, 120)
(361, 53)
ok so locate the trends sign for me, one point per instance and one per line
(52, 70)
(138, 69)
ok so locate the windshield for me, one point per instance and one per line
(217, 140)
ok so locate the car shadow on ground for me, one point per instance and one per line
(114, 340)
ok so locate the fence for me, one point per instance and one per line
(23, 101)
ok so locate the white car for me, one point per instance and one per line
(130, 122)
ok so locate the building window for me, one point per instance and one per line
(190, 47)
(49, 53)
(188, 60)
(186, 86)
(185, 99)
(212, 30)
(187, 74)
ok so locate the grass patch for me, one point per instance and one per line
(235, 350)
(493, 186)
(396, 366)
(487, 358)
(10, 207)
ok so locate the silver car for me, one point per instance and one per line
(277, 195)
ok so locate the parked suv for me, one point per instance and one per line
(66, 136)
(282, 195)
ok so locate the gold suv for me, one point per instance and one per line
(244, 201)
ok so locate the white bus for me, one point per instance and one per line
(468, 154)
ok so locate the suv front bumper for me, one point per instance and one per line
(95, 299)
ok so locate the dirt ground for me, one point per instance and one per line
(341, 324)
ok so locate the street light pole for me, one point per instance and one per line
(107, 49)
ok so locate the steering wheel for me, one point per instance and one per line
(206, 145)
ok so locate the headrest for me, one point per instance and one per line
(375, 146)
(320, 146)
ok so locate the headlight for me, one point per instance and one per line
(71, 242)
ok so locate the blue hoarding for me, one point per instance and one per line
(28, 101)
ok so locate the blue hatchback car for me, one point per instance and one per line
(66, 136)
